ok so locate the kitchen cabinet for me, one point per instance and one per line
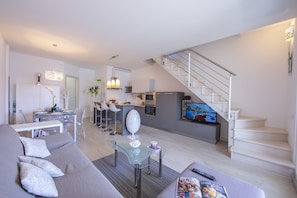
(140, 110)
(168, 109)
(146, 119)
(143, 85)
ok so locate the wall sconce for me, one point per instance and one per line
(54, 75)
(289, 37)
(38, 78)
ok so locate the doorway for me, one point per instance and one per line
(71, 85)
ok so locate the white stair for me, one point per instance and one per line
(250, 140)
(262, 146)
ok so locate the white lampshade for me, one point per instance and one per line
(117, 83)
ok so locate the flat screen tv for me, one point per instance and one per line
(200, 112)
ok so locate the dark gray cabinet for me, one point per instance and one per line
(169, 117)
(201, 131)
(168, 109)
(146, 119)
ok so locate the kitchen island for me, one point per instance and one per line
(122, 117)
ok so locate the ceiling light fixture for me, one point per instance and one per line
(54, 75)
(114, 82)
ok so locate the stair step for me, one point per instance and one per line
(249, 122)
(279, 149)
(261, 133)
(280, 166)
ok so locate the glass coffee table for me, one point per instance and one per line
(140, 157)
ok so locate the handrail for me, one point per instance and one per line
(200, 67)
(220, 66)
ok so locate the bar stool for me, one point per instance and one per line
(105, 108)
(98, 108)
(114, 109)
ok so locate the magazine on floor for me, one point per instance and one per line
(190, 187)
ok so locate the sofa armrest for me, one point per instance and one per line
(57, 140)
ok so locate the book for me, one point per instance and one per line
(190, 187)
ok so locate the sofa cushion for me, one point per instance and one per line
(35, 147)
(69, 159)
(86, 182)
(57, 140)
(37, 181)
(10, 148)
(45, 165)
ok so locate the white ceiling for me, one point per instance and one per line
(88, 33)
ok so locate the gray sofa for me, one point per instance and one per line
(234, 186)
(81, 178)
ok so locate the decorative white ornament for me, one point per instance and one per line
(133, 125)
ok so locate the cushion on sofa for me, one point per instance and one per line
(37, 181)
(45, 165)
(10, 148)
(35, 147)
(57, 140)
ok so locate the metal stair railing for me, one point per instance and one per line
(211, 74)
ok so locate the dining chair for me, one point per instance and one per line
(80, 121)
(80, 114)
(40, 132)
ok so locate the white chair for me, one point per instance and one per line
(133, 122)
(106, 109)
(80, 121)
(98, 108)
(114, 109)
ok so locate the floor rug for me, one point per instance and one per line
(122, 176)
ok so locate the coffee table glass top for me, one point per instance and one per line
(138, 155)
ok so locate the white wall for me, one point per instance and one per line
(259, 59)
(23, 69)
(4, 82)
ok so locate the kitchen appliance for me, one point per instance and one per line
(150, 104)
(150, 110)
(150, 99)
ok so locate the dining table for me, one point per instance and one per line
(64, 116)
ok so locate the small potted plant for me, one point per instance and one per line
(94, 90)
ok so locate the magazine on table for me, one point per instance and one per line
(190, 187)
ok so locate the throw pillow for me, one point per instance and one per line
(35, 147)
(37, 181)
(45, 165)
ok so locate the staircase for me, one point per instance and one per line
(262, 146)
(250, 140)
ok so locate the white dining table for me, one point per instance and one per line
(32, 126)
(41, 116)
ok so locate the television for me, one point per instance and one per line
(200, 112)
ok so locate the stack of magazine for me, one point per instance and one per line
(190, 187)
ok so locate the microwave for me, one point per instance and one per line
(150, 99)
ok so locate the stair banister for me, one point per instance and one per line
(218, 65)
(189, 69)
(230, 97)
